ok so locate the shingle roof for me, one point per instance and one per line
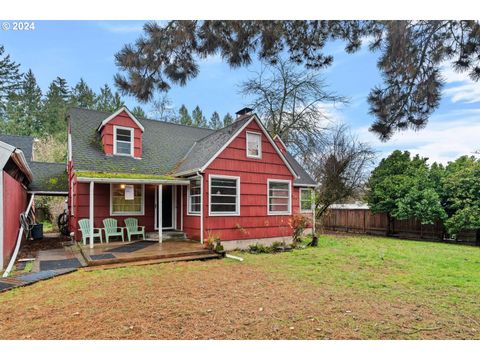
(24, 143)
(167, 148)
(303, 177)
(204, 149)
(164, 145)
(49, 177)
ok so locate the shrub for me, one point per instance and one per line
(298, 223)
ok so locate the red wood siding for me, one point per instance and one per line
(14, 203)
(253, 222)
(121, 120)
(191, 223)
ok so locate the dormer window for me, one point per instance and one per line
(122, 141)
(254, 145)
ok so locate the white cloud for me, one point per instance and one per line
(460, 88)
(445, 138)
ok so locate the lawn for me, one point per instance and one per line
(350, 287)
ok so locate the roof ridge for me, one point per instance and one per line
(142, 118)
(229, 125)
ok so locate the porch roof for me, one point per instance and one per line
(116, 178)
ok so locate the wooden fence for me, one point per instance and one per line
(363, 221)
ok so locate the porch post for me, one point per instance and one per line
(91, 213)
(160, 213)
(181, 207)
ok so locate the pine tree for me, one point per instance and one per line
(108, 101)
(411, 55)
(138, 112)
(198, 119)
(104, 100)
(215, 122)
(55, 107)
(184, 116)
(227, 119)
(83, 96)
(24, 108)
(10, 78)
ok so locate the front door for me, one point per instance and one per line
(167, 207)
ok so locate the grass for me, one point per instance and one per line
(47, 226)
(349, 287)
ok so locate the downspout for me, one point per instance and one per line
(19, 239)
(201, 207)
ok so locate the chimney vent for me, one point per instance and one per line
(244, 111)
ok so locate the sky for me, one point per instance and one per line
(85, 49)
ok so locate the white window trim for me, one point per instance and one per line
(289, 212)
(132, 137)
(237, 203)
(259, 156)
(195, 213)
(141, 213)
(300, 200)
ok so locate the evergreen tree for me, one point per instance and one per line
(83, 96)
(184, 117)
(55, 107)
(104, 100)
(138, 112)
(227, 119)
(10, 78)
(24, 108)
(198, 119)
(215, 122)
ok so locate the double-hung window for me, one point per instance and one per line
(194, 196)
(254, 145)
(305, 200)
(224, 195)
(279, 197)
(123, 141)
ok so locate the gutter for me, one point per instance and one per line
(131, 181)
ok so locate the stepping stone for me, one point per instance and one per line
(34, 277)
(72, 263)
(5, 286)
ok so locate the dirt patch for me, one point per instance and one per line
(30, 248)
(208, 300)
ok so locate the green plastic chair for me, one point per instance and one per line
(111, 229)
(133, 228)
(85, 229)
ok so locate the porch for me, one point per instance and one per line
(144, 252)
(157, 204)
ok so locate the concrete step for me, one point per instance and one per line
(167, 235)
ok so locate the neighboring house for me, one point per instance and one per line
(19, 178)
(236, 184)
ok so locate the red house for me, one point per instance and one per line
(237, 184)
